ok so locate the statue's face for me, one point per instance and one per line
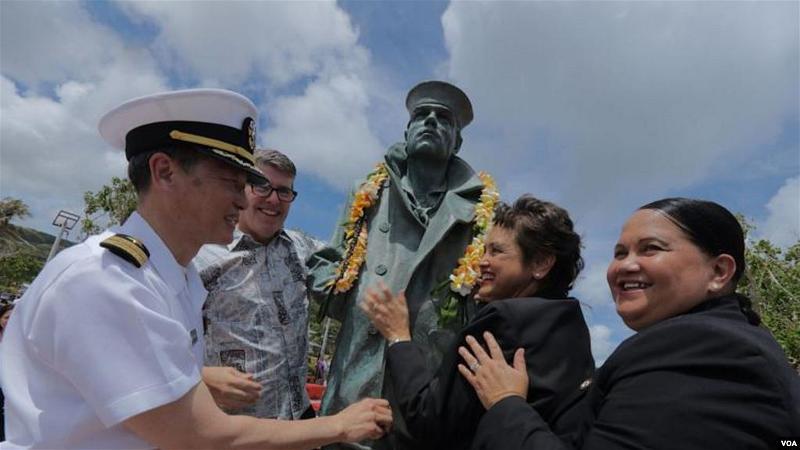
(431, 133)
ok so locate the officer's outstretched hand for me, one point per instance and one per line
(231, 388)
(369, 418)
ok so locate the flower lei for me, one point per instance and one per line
(355, 233)
(464, 276)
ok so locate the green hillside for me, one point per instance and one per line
(23, 252)
(14, 239)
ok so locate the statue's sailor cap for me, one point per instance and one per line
(442, 94)
(217, 122)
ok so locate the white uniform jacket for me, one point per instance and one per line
(96, 340)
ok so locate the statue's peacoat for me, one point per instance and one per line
(405, 254)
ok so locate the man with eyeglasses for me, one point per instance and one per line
(106, 350)
(256, 314)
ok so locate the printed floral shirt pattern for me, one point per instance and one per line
(256, 316)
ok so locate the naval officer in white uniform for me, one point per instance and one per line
(105, 349)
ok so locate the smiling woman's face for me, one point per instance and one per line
(657, 272)
(504, 274)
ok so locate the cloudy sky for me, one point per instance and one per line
(598, 106)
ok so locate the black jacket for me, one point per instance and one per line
(442, 411)
(706, 379)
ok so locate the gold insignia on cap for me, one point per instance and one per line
(214, 143)
(232, 158)
(128, 248)
(251, 132)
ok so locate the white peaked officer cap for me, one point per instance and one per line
(217, 122)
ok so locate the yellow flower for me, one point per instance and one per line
(466, 274)
(347, 270)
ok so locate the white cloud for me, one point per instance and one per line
(53, 94)
(611, 104)
(325, 128)
(605, 327)
(602, 345)
(50, 149)
(782, 226)
(603, 106)
(592, 287)
(52, 41)
(230, 41)
(51, 98)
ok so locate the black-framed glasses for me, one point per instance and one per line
(265, 190)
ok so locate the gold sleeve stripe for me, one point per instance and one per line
(208, 142)
(131, 249)
(134, 241)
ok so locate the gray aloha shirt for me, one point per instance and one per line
(256, 316)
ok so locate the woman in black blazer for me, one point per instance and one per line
(531, 260)
(699, 374)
